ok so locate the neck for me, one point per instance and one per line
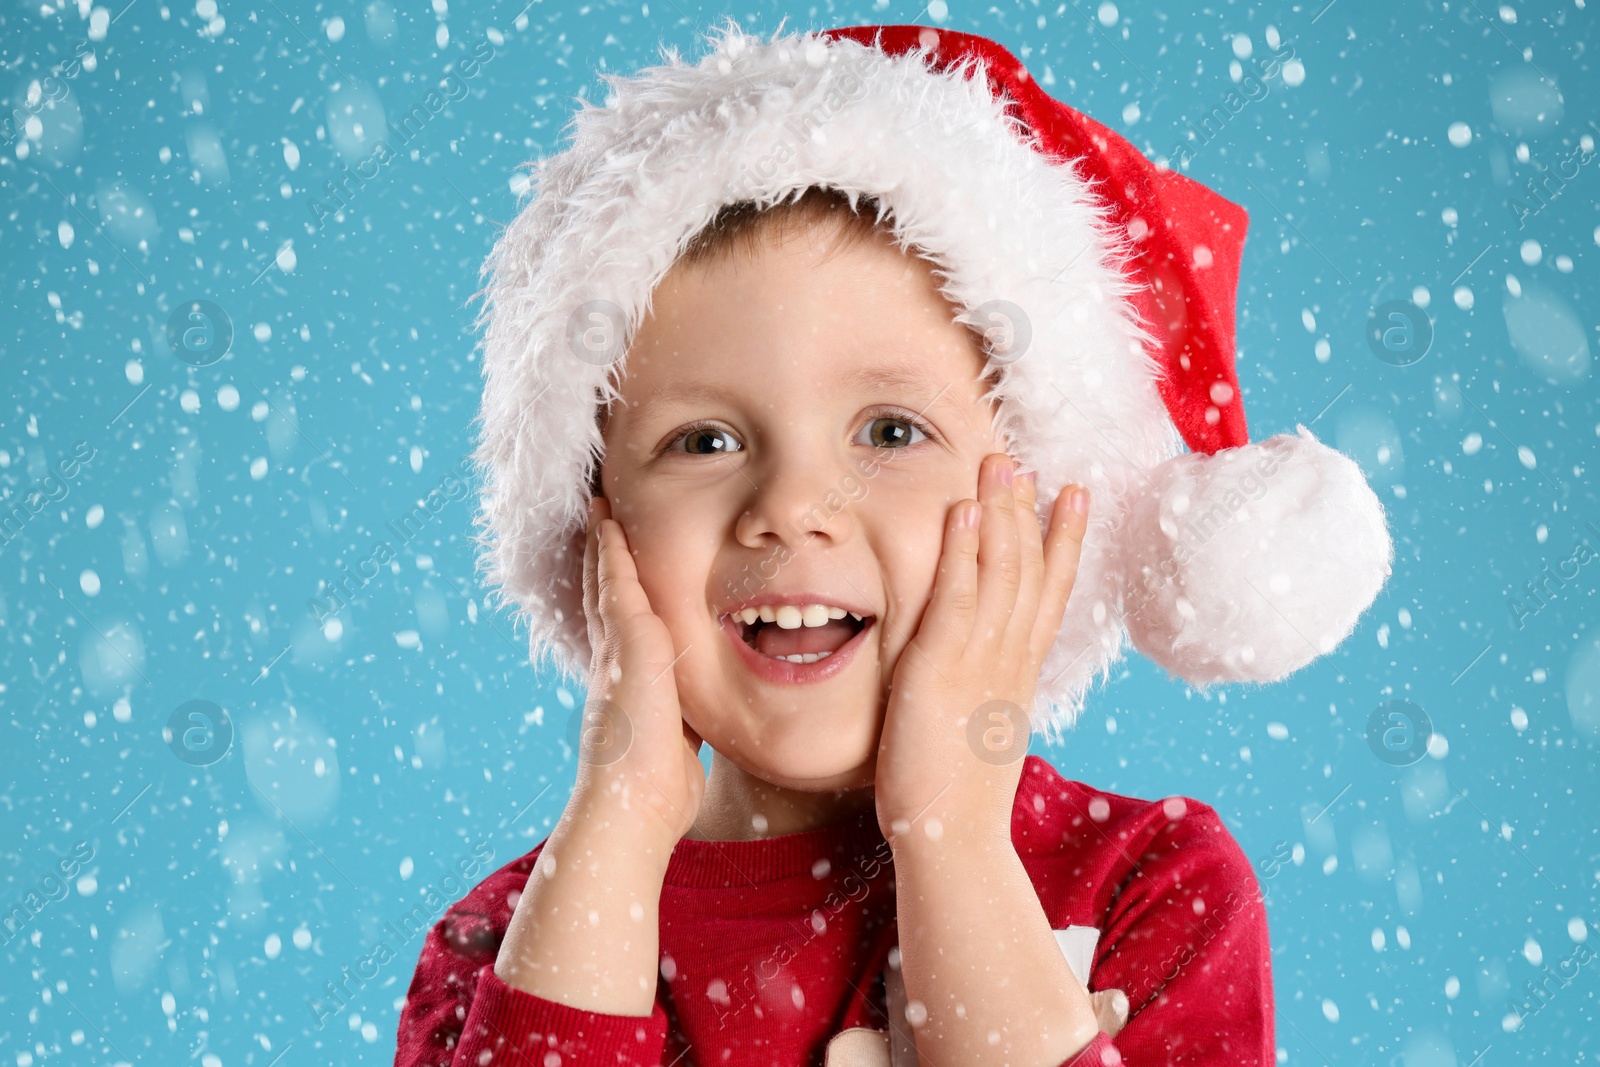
(738, 806)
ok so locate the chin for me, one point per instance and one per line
(801, 764)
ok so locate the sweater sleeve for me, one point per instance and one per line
(458, 1013)
(1186, 941)
(511, 1028)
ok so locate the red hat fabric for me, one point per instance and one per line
(1189, 238)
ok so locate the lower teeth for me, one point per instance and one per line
(809, 657)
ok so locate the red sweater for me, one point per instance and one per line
(771, 947)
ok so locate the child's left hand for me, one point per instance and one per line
(996, 609)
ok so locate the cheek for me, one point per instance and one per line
(673, 558)
(908, 536)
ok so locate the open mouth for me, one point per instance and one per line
(802, 644)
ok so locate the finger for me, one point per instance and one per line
(641, 637)
(692, 739)
(999, 566)
(1062, 554)
(1030, 544)
(599, 508)
(691, 753)
(1110, 1010)
(947, 622)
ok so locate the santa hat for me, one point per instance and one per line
(1112, 280)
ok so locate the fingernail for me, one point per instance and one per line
(969, 517)
(1026, 481)
(1080, 501)
(1007, 469)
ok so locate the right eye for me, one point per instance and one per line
(701, 440)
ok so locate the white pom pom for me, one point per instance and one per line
(1247, 564)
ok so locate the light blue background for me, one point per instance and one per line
(177, 562)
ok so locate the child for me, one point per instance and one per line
(782, 316)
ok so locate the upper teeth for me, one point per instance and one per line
(794, 616)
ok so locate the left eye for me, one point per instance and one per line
(897, 438)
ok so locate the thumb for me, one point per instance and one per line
(1110, 1009)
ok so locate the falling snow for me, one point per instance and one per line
(261, 705)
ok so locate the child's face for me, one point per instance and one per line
(801, 482)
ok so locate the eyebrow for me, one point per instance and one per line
(894, 376)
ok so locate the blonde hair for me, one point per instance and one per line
(742, 225)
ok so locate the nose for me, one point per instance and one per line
(796, 500)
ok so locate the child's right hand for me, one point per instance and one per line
(637, 757)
